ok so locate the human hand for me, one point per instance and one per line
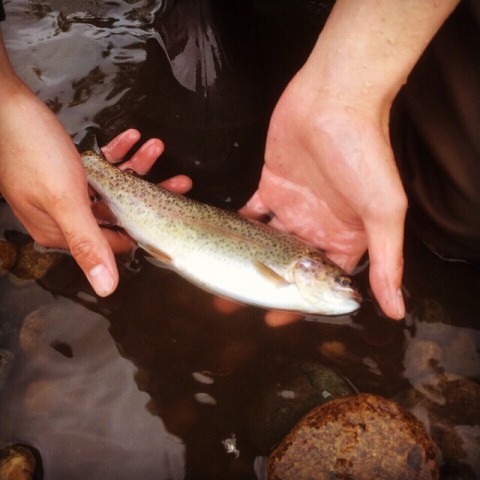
(329, 174)
(43, 180)
(330, 178)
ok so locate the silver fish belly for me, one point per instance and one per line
(221, 251)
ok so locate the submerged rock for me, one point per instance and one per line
(33, 264)
(431, 311)
(362, 437)
(462, 401)
(454, 423)
(18, 462)
(8, 255)
(6, 362)
(460, 447)
(280, 405)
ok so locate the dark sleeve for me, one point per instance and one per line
(2, 11)
(436, 141)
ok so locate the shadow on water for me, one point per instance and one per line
(150, 382)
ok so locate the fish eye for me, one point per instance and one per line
(343, 281)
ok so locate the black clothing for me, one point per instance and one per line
(2, 11)
(436, 138)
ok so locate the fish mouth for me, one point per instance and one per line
(356, 297)
(352, 301)
(350, 293)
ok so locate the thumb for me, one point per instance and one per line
(254, 208)
(88, 246)
(385, 247)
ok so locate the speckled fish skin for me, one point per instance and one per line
(221, 251)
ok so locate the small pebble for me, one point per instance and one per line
(17, 462)
(8, 255)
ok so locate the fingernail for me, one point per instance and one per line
(101, 280)
(399, 304)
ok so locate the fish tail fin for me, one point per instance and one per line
(87, 140)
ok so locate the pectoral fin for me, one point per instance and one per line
(270, 274)
(156, 253)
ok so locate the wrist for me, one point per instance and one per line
(367, 49)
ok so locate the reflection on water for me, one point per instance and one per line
(159, 382)
(77, 67)
(75, 396)
(145, 64)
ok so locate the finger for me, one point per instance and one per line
(118, 241)
(385, 247)
(116, 149)
(142, 161)
(225, 306)
(277, 318)
(178, 184)
(87, 245)
(254, 208)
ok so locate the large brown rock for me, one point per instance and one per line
(358, 437)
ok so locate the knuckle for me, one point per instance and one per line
(82, 250)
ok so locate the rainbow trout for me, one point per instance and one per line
(221, 251)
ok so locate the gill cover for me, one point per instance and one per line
(324, 284)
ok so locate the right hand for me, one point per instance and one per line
(329, 174)
(330, 178)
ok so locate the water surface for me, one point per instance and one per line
(151, 382)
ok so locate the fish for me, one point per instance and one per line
(220, 251)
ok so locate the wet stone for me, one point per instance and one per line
(362, 437)
(280, 405)
(18, 462)
(33, 264)
(431, 311)
(455, 461)
(8, 255)
(455, 425)
(462, 401)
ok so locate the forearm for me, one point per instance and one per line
(368, 47)
(10, 83)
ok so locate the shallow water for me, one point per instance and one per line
(150, 382)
